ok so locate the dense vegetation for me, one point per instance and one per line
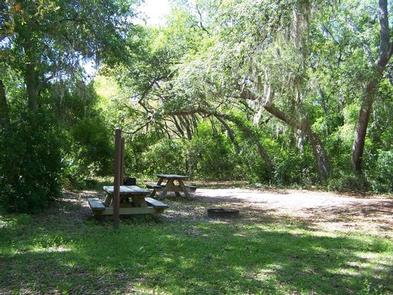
(276, 92)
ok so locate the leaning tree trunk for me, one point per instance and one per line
(249, 132)
(385, 53)
(4, 111)
(316, 143)
(231, 133)
(361, 128)
(253, 136)
(319, 153)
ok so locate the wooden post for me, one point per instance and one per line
(123, 167)
(116, 181)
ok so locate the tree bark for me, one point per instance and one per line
(361, 128)
(231, 134)
(4, 110)
(251, 134)
(316, 143)
(32, 80)
(385, 53)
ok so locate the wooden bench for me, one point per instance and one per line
(160, 187)
(155, 186)
(152, 206)
(158, 205)
(96, 204)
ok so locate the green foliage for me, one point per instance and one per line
(210, 154)
(348, 182)
(90, 153)
(294, 167)
(180, 85)
(380, 171)
(30, 163)
(250, 166)
(166, 156)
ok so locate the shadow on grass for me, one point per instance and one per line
(201, 258)
(61, 252)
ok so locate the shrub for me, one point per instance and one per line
(380, 173)
(90, 152)
(210, 154)
(30, 163)
(348, 182)
(294, 167)
(166, 156)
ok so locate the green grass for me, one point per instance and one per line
(61, 253)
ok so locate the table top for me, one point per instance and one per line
(128, 190)
(172, 176)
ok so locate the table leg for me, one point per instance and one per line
(108, 200)
(153, 193)
(183, 187)
(138, 201)
(167, 188)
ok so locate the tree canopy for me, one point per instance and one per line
(276, 92)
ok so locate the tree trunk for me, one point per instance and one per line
(361, 128)
(319, 153)
(231, 133)
(385, 53)
(32, 81)
(251, 134)
(4, 111)
(317, 146)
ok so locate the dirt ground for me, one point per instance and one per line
(325, 211)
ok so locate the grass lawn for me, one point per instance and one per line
(61, 252)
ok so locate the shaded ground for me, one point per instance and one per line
(330, 211)
(320, 210)
(285, 242)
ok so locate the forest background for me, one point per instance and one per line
(279, 93)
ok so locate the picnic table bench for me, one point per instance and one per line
(133, 200)
(171, 183)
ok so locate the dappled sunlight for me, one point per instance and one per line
(172, 258)
(196, 147)
(184, 251)
(49, 249)
(321, 211)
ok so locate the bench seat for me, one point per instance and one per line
(155, 203)
(96, 204)
(155, 186)
(153, 207)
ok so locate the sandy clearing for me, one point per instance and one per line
(325, 210)
(299, 200)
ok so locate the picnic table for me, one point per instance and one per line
(133, 200)
(171, 183)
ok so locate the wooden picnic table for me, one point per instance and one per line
(133, 200)
(133, 192)
(171, 183)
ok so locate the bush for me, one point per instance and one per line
(90, 151)
(210, 154)
(380, 173)
(166, 156)
(347, 182)
(294, 167)
(30, 163)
